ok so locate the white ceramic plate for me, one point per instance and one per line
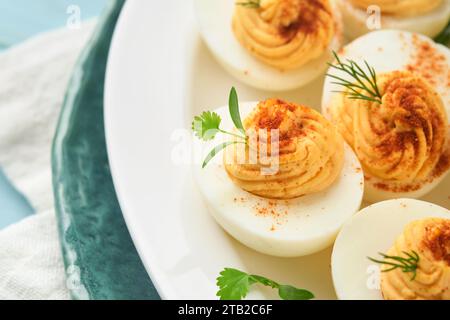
(159, 75)
(355, 276)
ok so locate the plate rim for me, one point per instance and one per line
(114, 51)
(149, 259)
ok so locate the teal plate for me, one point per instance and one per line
(100, 258)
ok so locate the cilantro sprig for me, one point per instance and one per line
(235, 284)
(207, 125)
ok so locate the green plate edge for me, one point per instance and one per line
(100, 259)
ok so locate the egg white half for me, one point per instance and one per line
(429, 24)
(304, 226)
(387, 50)
(215, 21)
(373, 230)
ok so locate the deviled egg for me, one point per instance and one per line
(402, 253)
(286, 181)
(428, 17)
(388, 93)
(271, 44)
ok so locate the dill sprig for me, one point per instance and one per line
(254, 4)
(407, 265)
(364, 86)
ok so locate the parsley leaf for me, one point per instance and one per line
(206, 126)
(234, 285)
(287, 292)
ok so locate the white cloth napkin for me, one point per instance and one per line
(33, 79)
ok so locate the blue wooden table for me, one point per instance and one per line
(20, 20)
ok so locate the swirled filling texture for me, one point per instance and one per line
(400, 7)
(305, 149)
(430, 238)
(285, 34)
(401, 143)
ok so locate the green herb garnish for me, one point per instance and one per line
(207, 126)
(254, 4)
(234, 285)
(365, 85)
(233, 107)
(444, 36)
(217, 149)
(407, 265)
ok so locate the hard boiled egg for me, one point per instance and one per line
(388, 51)
(371, 231)
(283, 228)
(358, 18)
(215, 19)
